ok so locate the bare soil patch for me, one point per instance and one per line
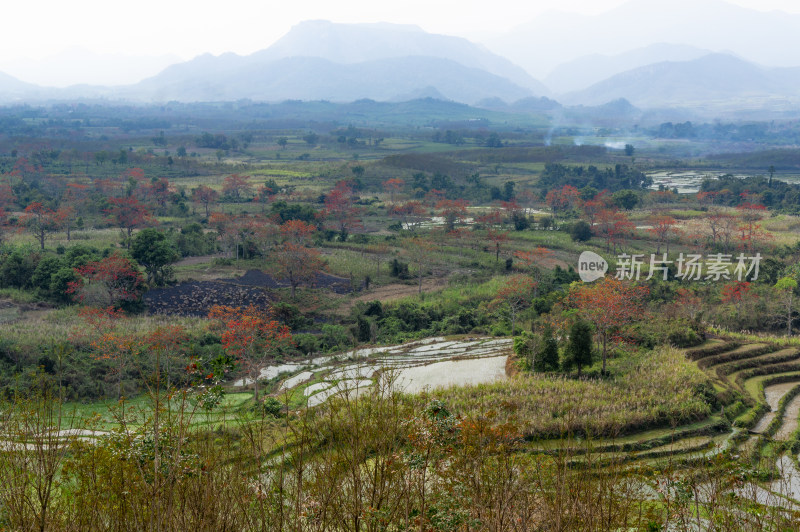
(195, 298)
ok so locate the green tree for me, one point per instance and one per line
(358, 171)
(580, 231)
(579, 349)
(625, 199)
(155, 252)
(786, 287)
(547, 357)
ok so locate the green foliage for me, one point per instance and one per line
(625, 199)
(660, 331)
(579, 349)
(399, 269)
(153, 250)
(547, 359)
(580, 231)
(306, 343)
(334, 338)
(621, 177)
(192, 241)
(272, 406)
(525, 349)
(284, 212)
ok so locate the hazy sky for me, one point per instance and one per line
(182, 29)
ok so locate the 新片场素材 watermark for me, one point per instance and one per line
(686, 267)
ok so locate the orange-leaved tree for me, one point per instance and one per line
(297, 260)
(393, 186)
(128, 214)
(40, 220)
(498, 238)
(514, 296)
(341, 209)
(736, 294)
(662, 227)
(533, 261)
(609, 305)
(206, 196)
(237, 187)
(251, 336)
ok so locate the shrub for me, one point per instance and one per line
(580, 232)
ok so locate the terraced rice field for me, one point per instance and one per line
(759, 384)
(414, 367)
(757, 387)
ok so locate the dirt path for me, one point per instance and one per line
(391, 292)
(202, 259)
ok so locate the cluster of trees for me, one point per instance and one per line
(621, 176)
(734, 191)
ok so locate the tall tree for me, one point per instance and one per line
(250, 335)
(297, 260)
(547, 357)
(453, 211)
(110, 282)
(563, 198)
(206, 196)
(41, 221)
(609, 305)
(237, 187)
(662, 228)
(153, 250)
(393, 186)
(129, 214)
(420, 251)
(514, 296)
(579, 349)
(786, 287)
(498, 238)
(613, 226)
(341, 209)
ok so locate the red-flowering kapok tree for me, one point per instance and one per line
(393, 186)
(110, 282)
(663, 227)
(251, 336)
(737, 294)
(237, 187)
(129, 214)
(498, 239)
(609, 305)
(205, 196)
(340, 208)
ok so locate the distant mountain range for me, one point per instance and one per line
(555, 38)
(320, 60)
(585, 71)
(648, 58)
(715, 80)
